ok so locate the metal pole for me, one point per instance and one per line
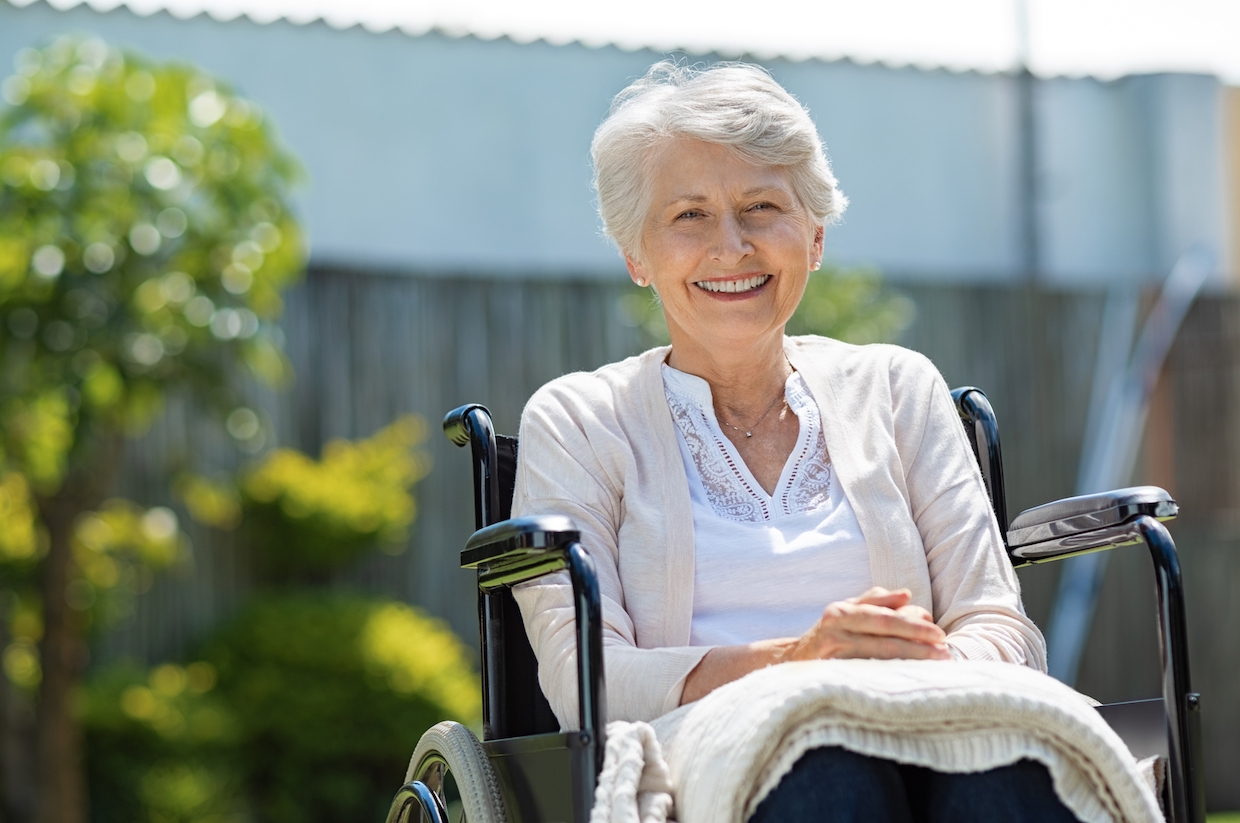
(1113, 436)
(1026, 89)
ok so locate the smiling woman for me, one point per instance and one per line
(751, 499)
(728, 247)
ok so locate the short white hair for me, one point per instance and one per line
(736, 105)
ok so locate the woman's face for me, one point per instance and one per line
(726, 244)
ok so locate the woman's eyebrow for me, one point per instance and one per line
(701, 198)
(759, 190)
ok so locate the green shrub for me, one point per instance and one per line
(161, 746)
(304, 708)
(331, 693)
(304, 517)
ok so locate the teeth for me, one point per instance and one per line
(734, 286)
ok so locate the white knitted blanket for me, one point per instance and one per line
(719, 757)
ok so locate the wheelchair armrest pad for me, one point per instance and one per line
(519, 540)
(1087, 513)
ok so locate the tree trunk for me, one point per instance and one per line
(6, 725)
(62, 783)
(17, 771)
(58, 730)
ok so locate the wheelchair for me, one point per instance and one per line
(526, 770)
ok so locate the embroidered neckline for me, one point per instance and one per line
(729, 486)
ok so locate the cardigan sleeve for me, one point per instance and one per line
(975, 590)
(573, 463)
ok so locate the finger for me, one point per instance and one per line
(878, 596)
(892, 648)
(916, 613)
(876, 620)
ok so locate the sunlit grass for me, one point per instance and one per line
(1223, 817)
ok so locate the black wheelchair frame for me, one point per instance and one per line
(549, 775)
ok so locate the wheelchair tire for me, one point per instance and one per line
(450, 749)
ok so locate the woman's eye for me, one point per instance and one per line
(688, 215)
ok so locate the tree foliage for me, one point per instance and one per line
(145, 237)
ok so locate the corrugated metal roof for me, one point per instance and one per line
(1104, 38)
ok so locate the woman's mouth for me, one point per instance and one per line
(737, 286)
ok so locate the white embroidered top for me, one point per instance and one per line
(765, 566)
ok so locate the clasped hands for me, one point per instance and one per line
(877, 624)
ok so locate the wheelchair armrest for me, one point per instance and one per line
(1087, 523)
(519, 549)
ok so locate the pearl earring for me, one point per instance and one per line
(817, 265)
(640, 281)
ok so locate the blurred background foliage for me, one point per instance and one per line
(145, 237)
(306, 704)
(304, 708)
(145, 240)
(853, 305)
(306, 517)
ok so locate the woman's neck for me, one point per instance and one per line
(742, 379)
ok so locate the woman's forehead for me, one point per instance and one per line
(697, 171)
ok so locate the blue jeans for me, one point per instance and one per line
(834, 785)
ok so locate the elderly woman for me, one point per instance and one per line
(749, 498)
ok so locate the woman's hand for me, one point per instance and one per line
(877, 624)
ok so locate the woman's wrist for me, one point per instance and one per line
(723, 664)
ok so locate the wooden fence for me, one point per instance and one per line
(369, 347)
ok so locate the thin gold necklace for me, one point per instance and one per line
(749, 433)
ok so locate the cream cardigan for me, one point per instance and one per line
(601, 448)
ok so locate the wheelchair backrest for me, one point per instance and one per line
(981, 427)
(513, 703)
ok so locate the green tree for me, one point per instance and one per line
(145, 237)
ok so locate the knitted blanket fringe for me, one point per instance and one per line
(714, 761)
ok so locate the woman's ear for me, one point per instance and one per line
(636, 271)
(818, 239)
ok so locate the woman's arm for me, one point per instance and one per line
(574, 461)
(976, 594)
(878, 624)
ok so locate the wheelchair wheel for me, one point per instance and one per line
(449, 771)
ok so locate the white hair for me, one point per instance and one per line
(736, 105)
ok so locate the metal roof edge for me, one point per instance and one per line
(460, 33)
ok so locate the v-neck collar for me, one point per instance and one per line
(696, 391)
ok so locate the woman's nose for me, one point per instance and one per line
(731, 243)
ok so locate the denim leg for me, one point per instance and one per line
(1019, 793)
(834, 785)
